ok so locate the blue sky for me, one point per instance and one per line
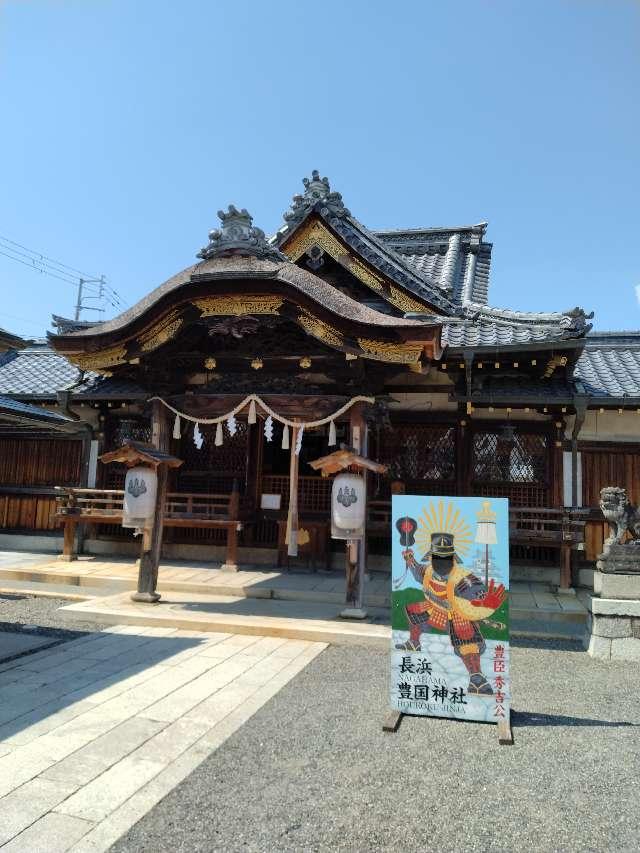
(127, 125)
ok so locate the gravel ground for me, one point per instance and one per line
(312, 771)
(32, 614)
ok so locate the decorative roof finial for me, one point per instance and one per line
(316, 192)
(574, 323)
(238, 236)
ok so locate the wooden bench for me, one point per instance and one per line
(191, 509)
(561, 529)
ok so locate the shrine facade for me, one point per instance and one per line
(385, 336)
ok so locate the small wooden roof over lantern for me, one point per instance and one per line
(138, 453)
(340, 460)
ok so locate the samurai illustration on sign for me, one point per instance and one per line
(450, 623)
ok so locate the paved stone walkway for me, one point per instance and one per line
(252, 582)
(94, 732)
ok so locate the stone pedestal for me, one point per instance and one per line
(613, 629)
(613, 622)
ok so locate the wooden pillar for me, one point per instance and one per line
(231, 560)
(253, 476)
(355, 551)
(462, 452)
(292, 519)
(69, 540)
(152, 539)
(69, 531)
(565, 567)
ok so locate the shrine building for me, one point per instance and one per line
(266, 353)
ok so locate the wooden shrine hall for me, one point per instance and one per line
(266, 354)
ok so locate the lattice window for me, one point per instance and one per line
(213, 469)
(120, 430)
(423, 456)
(504, 457)
(511, 464)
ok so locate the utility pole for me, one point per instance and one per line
(79, 302)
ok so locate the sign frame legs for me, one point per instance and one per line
(391, 723)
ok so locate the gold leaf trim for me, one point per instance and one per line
(97, 360)
(160, 333)
(384, 351)
(375, 282)
(319, 329)
(316, 234)
(213, 306)
(403, 302)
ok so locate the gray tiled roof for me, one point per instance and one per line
(426, 251)
(522, 389)
(36, 370)
(26, 410)
(609, 367)
(487, 333)
(40, 372)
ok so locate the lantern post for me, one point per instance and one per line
(348, 517)
(143, 507)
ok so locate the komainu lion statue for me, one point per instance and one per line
(622, 516)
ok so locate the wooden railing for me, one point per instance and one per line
(560, 529)
(104, 506)
(314, 493)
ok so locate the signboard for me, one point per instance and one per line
(449, 603)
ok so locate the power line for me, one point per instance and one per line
(47, 258)
(37, 265)
(45, 265)
(32, 266)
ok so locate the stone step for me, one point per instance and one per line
(295, 619)
(52, 590)
(316, 621)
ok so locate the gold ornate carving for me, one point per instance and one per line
(384, 351)
(96, 361)
(553, 363)
(315, 234)
(160, 333)
(311, 235)
(405, 303)
(313, 326)
(365, 275)
(212, 306)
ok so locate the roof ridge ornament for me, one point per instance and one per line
(317, 191)
(574, 322)
(238, 236)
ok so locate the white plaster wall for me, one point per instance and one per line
(610, 426)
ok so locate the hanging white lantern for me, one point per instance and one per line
(348, 506)
(140, 487)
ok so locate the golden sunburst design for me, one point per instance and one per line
(440, 519)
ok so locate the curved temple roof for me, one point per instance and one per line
(242, 274)
(445, 268)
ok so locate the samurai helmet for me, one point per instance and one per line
(442, 546)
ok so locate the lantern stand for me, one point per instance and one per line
(348, 506)
(135, 454)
